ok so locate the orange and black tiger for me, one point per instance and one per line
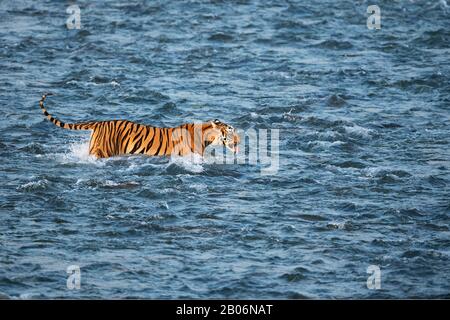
(121, 137)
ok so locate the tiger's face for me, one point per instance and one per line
(225, 134)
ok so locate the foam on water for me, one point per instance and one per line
(193, 163)
(78, 152)
(326, 144)
(363, 153)
(94, 183)
(358, 131)
(40, 184)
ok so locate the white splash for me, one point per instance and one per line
(199, 187)
(78, 152)
(337, 225)
(33, 185)
(358, 131)
(193, 163)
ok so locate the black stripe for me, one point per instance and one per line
(135, 130)
(136, 146)
(160, 141)
(166, 134)
(164, 131)
(144, 137)
(120, 128)
(150, 143)
(127, 135)
(126, 144)
(111, 127)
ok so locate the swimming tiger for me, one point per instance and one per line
(121, 137)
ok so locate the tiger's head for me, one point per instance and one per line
(223, 134)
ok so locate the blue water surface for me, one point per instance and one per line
(364, 131)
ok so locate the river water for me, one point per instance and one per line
(363, 158)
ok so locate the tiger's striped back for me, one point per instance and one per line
(121, 137)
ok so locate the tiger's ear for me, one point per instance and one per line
(215, 122)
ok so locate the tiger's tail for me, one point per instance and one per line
(70, 126)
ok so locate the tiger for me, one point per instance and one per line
(123, 137)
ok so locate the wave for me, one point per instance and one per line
(336, 100)
(335, 45)
(325, 144)
(358, 131)
(193, 164)
(33, 148)
(107, 184)
(40, 184)
(381, 172)
(340, 225)
(78, 152)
